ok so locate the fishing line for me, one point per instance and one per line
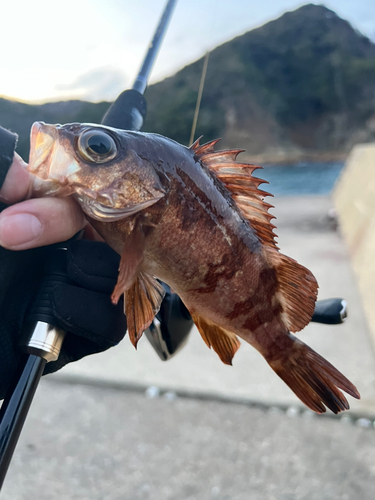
(199, 98)
(214, 9)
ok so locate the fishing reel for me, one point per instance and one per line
(169, 330)
(330, 311)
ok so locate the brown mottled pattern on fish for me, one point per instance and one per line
(195, 219)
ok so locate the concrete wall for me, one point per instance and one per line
(354, 198)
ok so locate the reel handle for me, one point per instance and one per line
(330, 311)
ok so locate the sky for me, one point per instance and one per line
(92, 49)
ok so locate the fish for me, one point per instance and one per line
(194, 218)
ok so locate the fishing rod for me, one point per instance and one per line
(42, 337)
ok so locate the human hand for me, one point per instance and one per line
(30, 223)
(82, 307)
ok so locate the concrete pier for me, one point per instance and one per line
(354, 199)
(125, 425)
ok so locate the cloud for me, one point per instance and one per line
(96, 85)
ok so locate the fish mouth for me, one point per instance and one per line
(102, 212)
(49, 162)
(42, 139)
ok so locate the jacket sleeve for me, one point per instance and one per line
(8, 142)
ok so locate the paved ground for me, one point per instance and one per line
(89, 436)
(85, 443)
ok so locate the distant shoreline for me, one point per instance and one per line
(287, 158)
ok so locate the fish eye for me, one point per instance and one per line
(96, 146)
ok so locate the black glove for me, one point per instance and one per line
(82, 308)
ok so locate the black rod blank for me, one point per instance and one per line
(128, 111)
(140, 83)
(15, 408)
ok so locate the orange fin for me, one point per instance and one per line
(130, 263)
(298, 290)
(243, 187)
(313, 379)
(224, 343)
(142, 302)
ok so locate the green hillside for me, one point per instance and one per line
(303, 81)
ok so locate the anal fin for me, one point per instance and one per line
(142, 301)
(223, 342)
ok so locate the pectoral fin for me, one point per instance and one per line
(142, 301)
(223, 342)
(130, 263)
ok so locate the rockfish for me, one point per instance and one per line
(196, 219)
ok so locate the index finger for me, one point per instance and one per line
(34, 222)
(17, 183)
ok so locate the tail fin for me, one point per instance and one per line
(313, 379)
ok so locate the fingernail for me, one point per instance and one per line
(19, 229)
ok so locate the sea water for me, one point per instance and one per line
(300, 178)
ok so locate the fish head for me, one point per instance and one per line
(98, 165)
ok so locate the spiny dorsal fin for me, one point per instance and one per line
(243, 187)
(209, 147)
